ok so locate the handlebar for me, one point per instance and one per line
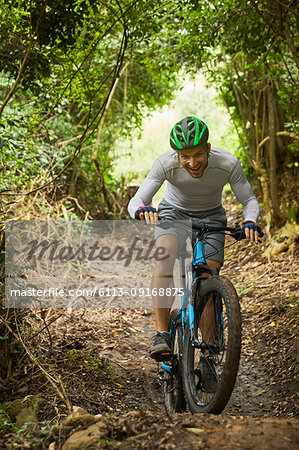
(236, 232)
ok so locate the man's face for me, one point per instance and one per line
(195, 160)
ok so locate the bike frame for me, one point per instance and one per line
(191, 278)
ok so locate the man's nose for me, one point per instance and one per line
(192, 162)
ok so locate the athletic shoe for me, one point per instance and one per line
(160, 351)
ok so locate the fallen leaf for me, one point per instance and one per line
(257, 393)
(196, 430)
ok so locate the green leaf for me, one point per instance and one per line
(2, 142)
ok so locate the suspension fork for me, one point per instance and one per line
(198, 258)
(184, 297)
(194, 283)
(193, 325)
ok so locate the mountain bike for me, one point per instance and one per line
(205, 333)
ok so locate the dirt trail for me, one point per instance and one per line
(263, 409)
(102, 357)
(133, 409)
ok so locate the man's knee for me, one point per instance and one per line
(170, 244)
(215, 264)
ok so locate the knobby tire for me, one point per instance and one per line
(227, 332)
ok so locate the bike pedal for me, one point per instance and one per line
(160, 357)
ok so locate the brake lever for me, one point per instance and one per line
(239, 233)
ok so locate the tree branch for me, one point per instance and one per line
(95, 120)
(278, 134)
(51, 379)
(25, 60)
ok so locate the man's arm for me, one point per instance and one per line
(244, 194)
(148, 188)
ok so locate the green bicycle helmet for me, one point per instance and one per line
(188, 133)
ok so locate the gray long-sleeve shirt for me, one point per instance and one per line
(197, 194)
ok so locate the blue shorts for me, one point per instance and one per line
(214, 242)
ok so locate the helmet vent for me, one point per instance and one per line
(188, 133)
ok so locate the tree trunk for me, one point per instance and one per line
(239, 99)
(251, 102)
(278, 219)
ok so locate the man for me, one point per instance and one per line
(196, 174)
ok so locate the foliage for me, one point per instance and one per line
(77, 76)
(32, 434)
(246, 49)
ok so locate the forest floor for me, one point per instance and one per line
(102, 359)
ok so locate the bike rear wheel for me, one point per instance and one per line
(173, 385)
(218, 319)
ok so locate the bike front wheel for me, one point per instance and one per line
(211, 359)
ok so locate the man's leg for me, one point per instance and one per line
(163, 279)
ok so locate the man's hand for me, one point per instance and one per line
(252, 232)
(147, 213)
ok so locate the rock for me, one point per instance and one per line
(283, 240)
(79, 410)
(24, 410)
(86, 438)
(79, 416)
(75, 420)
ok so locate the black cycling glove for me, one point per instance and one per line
(253, 226)
(143, 209)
